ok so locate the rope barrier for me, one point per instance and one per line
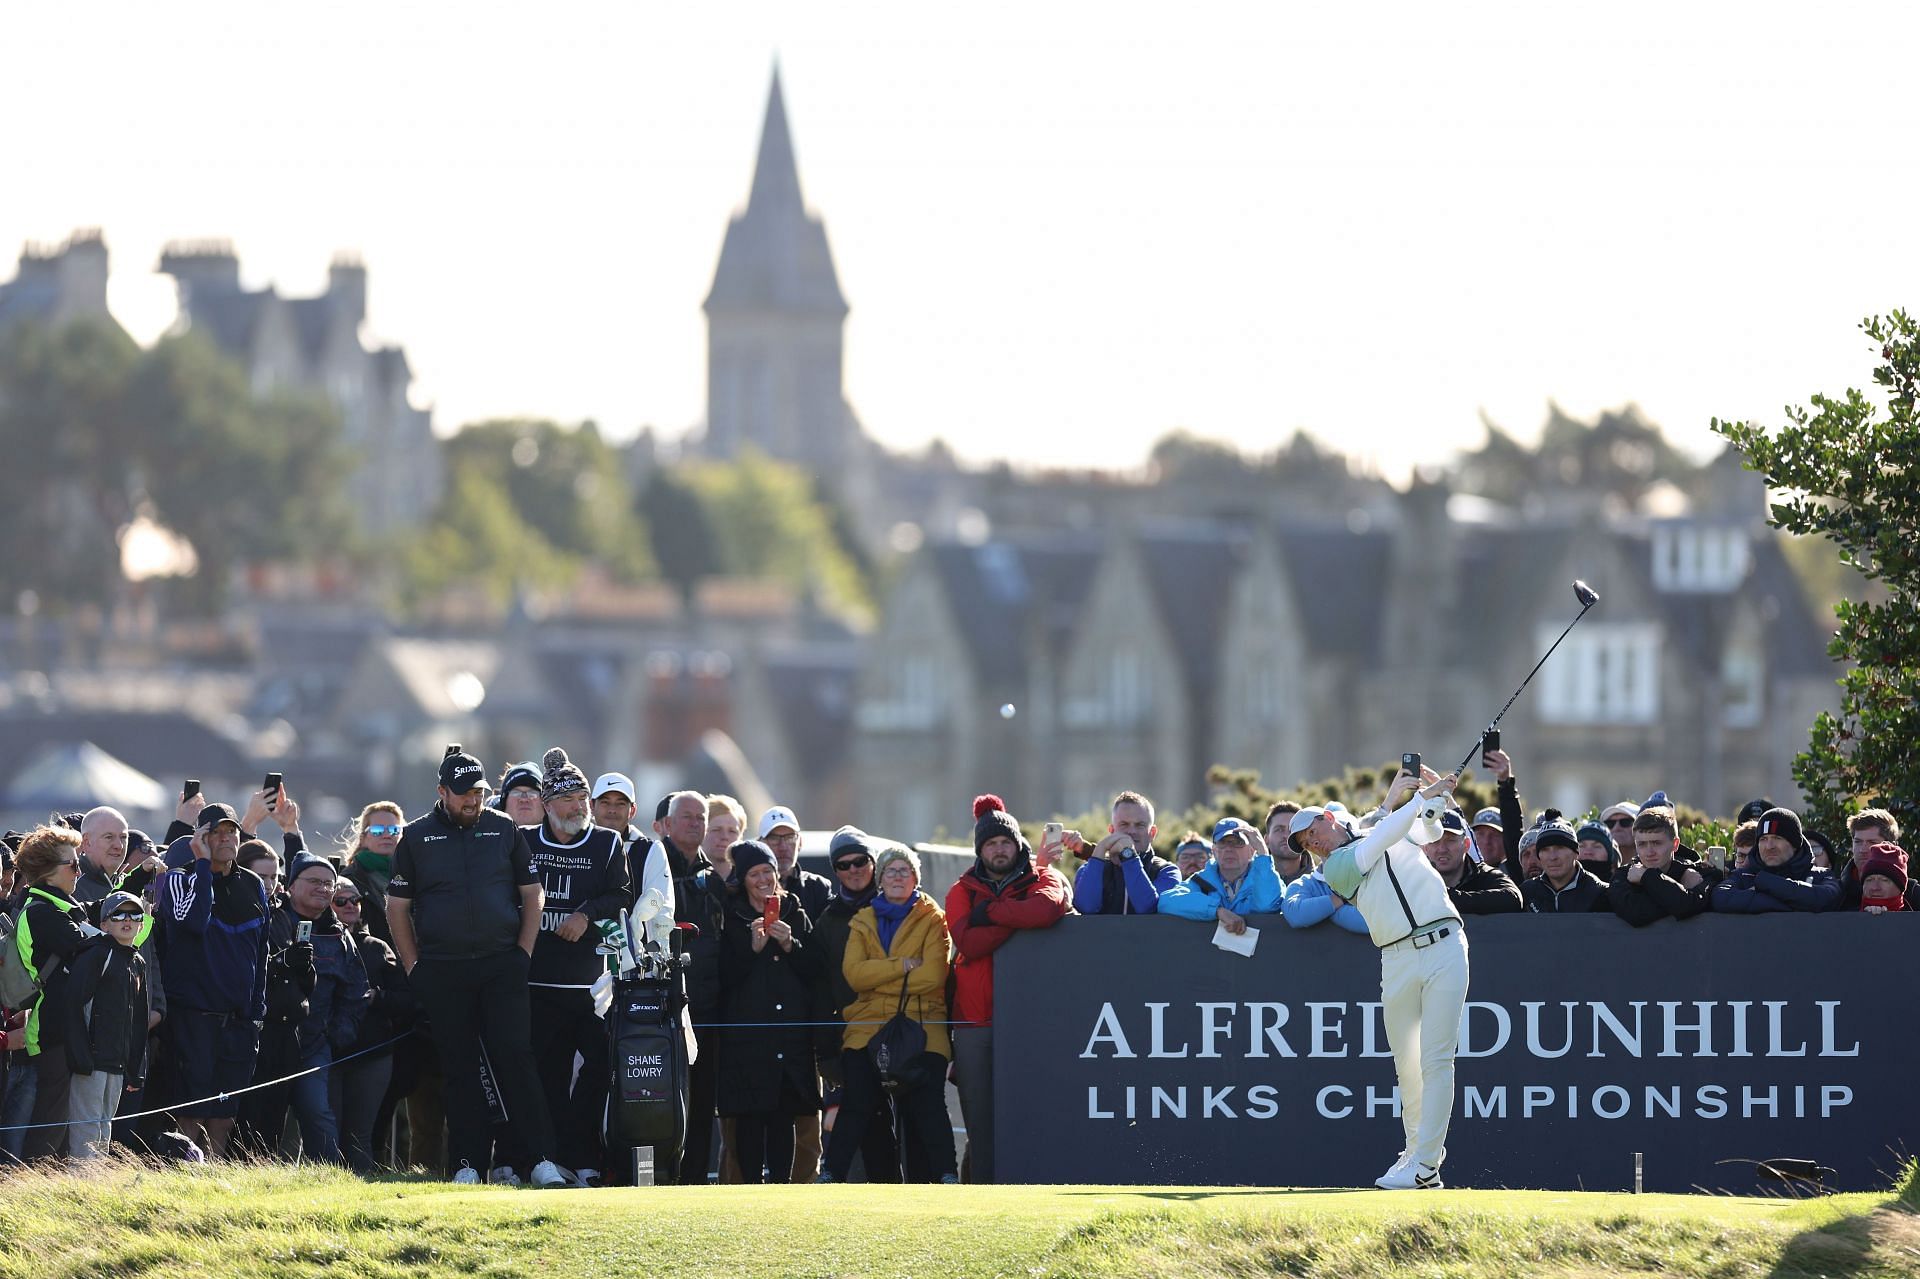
(181, 1105)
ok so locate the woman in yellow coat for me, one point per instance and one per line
(898, 943)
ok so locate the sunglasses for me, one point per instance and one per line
(1619, 821)
(126, 917)
(346, 901)
(71, 862)
(853, 863)
(383, 829)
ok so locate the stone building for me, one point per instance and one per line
(1145, 655)
(320, 344)
(57, 284)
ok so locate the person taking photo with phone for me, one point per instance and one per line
(1122, 874)
(768, 965)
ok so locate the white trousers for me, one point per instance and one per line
(1423, 993)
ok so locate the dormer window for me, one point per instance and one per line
(1699, 559)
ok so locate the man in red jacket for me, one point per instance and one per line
(1002, 894)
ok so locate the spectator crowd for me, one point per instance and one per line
(429, 992)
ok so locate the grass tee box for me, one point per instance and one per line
(280, 1223)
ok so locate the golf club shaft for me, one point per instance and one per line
(1495, 722)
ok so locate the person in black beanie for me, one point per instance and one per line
(1563, 886)
(767, 1076)
(583, 868)
(1780, 875)
(1002, 894)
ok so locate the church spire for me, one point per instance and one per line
(776, 176)
(775, 256)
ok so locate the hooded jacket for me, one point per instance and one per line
(1798, 886)
(1123, 886)
(1257, 893)
(983, 913)
(106, 1011)
(872, 971)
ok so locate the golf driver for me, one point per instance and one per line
(1588, 597)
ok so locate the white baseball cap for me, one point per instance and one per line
(776, 817)
(613, 782)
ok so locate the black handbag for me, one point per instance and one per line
(897, 1045)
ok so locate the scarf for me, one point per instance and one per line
(855, 901)
(378, 863)
(888, 917)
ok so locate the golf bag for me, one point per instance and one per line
(647, 1106)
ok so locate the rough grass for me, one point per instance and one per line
(275, 1221)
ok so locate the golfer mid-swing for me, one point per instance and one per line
(1423, 955)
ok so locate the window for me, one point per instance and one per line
(1741, 671)
(1691, 558)
(1606, 675)
(913, 698)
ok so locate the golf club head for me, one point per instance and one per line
(1587, 596)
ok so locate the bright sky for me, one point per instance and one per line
(1063, 229)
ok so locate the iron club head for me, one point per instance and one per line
(1587, 596)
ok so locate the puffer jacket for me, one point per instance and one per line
(1257, 893)
(1029, 899)
(1757, 890)
(873, 971)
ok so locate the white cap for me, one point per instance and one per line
(613, 782)
(776, 817)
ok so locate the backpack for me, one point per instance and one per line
(18, 988)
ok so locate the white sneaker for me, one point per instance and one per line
(467, 1176)
(1400, 1161)
(586, 1178)
(503, 1176)
(1410, 1176)
(547, 1175)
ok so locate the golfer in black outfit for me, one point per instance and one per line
(465, 907)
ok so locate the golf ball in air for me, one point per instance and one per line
(1007, 711)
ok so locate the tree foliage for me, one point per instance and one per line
(768, 521)
(98, 432)
(1848, 468)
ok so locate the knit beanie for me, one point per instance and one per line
(747, 854)
(1886, 859)
(1599, 834)
(304, 861)
(1785, 823)
(991, 818)
(1557, 832)
(561, 777)
(892, 853)
(527, 774)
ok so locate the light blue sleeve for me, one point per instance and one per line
(1350, 918)
(1189, 902)
(1307, 901)
(1260, 895)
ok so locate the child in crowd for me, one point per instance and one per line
(106, 1024)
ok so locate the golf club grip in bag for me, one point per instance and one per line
(648, 1103)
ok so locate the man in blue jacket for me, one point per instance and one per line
(213, 926)
(1123, 875)
(1235, 883)
(1780, 875)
